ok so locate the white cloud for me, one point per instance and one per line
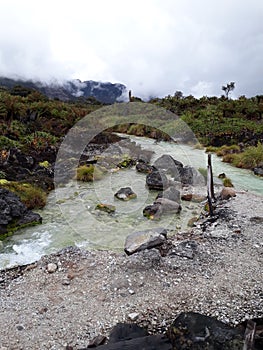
(155, 47)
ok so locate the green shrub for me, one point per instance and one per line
(222, 151)
(89, 173)
(227, 182)
(6, 143)
(211, 149)
(250, 158)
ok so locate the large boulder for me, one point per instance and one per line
(167, 163)
(142, 240)
(157, 180)
(191, 176)
(14, 214)
(168, 206)
(170, 193)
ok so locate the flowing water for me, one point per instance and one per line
(70, 218)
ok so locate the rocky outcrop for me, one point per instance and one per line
(14, 214)
(125, 194)
(142, 240)
(36, 167)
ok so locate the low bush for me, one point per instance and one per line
(89, 173)
(227, 182)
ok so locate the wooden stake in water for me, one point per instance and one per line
(210, 185)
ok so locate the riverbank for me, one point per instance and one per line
(69, 297)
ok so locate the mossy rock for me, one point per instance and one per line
(108, 208)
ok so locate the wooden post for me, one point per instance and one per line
(130, 96)
(211, 176)
(210, 186)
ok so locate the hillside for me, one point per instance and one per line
(70, 90)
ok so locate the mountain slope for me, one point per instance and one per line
(70, 90)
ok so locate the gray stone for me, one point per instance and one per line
(168, 206)
(142, 240)
(170, 193)
(133, 316)
(51, 267)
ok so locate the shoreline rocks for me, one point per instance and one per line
(14, 214)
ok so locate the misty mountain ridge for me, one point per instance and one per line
(104, 92)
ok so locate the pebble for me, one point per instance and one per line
(133, 316)
(51, 267)
(131, 291)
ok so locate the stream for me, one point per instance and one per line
(70, 218)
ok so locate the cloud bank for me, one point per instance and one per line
(154, 47)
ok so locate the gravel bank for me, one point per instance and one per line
(219, 273)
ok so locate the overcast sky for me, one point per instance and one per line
(154, 47)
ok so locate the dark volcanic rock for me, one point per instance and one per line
(143, 167)
(170, 193)
(258, 171)
(157, 180)
(153, 211)
(13, 213)
(167, 163)
(193, 331)
(125, 194)
(190, 176)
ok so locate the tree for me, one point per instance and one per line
(228, 88)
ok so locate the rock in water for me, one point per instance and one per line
(125, 194)
(168, 164)
(147, 239)
(157, 180)
(108, 208)
(168, 206)
(153, 211)
(170, 193)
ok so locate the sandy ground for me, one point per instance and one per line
(218, 273)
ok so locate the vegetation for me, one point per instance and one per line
(89, 173)
(33, 197)
(227, 182)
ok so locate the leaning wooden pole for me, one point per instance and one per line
(211, 176)
(210, 186)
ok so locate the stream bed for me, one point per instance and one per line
(70, 218)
